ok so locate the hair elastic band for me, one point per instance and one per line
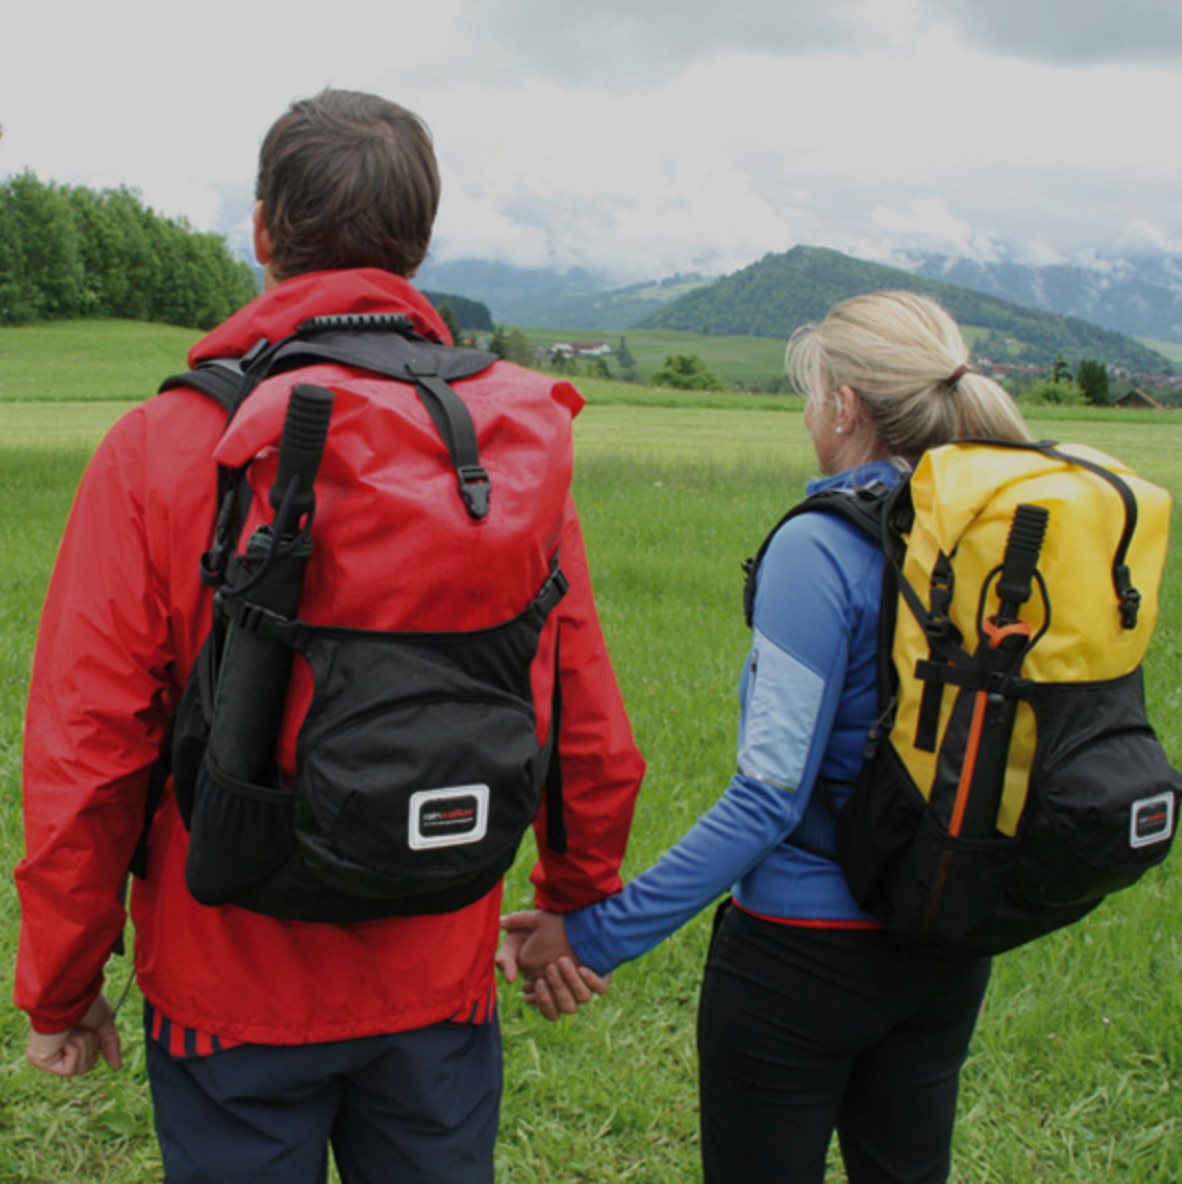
(955, 377)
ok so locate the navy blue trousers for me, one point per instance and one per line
(802, 1032)
(415, 1107)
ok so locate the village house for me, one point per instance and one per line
(582, 349)
(1137, 399)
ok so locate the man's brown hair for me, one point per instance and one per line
(347, 180)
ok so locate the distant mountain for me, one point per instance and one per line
(1141, 296)
(772, 297)
(542, 299)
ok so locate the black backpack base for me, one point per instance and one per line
(418, 770)
(1101, 799)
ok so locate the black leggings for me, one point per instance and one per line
(803, 1031)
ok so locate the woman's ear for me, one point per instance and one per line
(849, 410)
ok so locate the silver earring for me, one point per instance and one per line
(840, 430)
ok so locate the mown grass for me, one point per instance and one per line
(1076, 1069)
(89, 360)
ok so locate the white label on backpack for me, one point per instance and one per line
(447, 817)
(1151, 820)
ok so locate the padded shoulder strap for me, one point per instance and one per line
(867, 508)
(219, 378)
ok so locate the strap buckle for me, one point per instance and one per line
(474, 486)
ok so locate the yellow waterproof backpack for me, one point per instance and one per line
(1014, 779)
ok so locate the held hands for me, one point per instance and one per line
(553, 982)
(72, 1053)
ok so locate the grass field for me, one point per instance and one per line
(1075, 1075)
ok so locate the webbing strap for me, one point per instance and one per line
(385, 349)
(556, 837)
(1128, 597)
(453, 421)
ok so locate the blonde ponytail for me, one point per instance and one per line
(905, 358)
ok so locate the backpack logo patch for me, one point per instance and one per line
(448, 817)
(1151, 820)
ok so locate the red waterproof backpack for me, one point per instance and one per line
(358, 737)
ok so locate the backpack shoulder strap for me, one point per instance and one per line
(219, 378)
(867, 508)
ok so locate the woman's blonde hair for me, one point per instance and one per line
(906, 360)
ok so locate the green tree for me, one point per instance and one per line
(17, 297)
(134, 300)
(51, 282)
(1092, 379)
(68, 252)
(686, 372)
(624, 356)
(1054, 394)
(499, 343)
(448, 318)
(519, 350)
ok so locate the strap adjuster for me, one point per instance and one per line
(474, 488)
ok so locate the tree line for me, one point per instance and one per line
(69, 251)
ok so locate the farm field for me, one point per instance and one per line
(1075, 1073)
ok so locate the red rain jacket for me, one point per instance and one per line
(123, 620)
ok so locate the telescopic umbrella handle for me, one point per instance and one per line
(1023, 547)
(301, 446)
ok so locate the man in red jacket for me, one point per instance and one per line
(269, 1040)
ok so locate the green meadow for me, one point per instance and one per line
(1075, 1073)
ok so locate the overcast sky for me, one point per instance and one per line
(644, 137)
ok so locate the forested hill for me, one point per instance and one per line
(772, 297)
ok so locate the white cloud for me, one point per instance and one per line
(927, 224)
(1141, 234)
(640, 138)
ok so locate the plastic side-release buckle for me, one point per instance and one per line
(474, 488)
(1129, 597)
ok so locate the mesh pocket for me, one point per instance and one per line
(241, 835)
(926, 886)
(948, 886)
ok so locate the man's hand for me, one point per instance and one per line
(535, 943)
(532, 941)
(72, 1053)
